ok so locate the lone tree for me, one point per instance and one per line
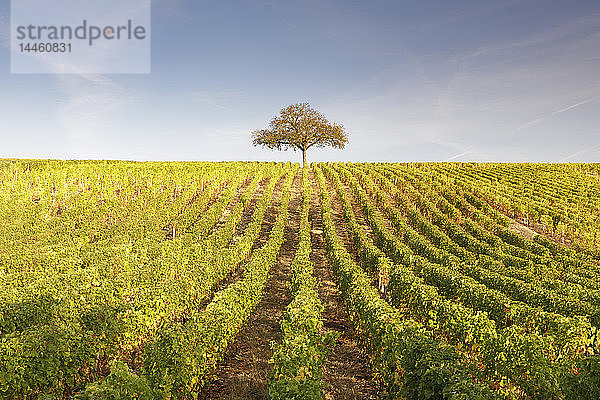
(300, 127)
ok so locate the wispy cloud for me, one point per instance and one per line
(474, 82)
(583, 26)
(459, 155)
(477, 10)
(89, 101)
(581, 152)
(215, 98)
(553, 113)
(473, 112)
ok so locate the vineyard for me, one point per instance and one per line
(198, 280)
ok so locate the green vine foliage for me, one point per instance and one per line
(298, 360)
(109, 270)
(120, 384)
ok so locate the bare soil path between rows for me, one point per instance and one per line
(244, 372)
(347, 369)
(238, 271)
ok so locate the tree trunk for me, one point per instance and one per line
(304, 158)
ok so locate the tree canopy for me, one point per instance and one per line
(300, 127)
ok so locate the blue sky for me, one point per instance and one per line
(418, 80)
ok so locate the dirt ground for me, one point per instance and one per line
(244, 372)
